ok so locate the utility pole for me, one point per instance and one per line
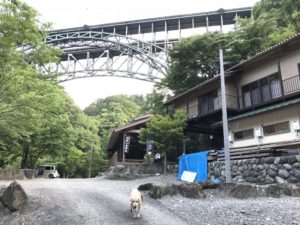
(90, 163)
(225, 122)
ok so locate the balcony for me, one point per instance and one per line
(291, 85)
(210, 104)
(267, 93)
(257, 95)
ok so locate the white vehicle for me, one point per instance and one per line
(46, 171)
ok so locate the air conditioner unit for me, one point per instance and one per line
(295, 125)
(258, 132)
(230, 137)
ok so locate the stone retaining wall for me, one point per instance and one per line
(129, 171)
(12, 174)
(285, 169)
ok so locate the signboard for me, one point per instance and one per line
(126, 143)
(149, 145)
(188, 176)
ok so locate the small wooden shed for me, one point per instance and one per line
(124, 146)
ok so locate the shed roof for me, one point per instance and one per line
(132, 127)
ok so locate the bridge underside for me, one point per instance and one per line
(91, 54)
(120, 49)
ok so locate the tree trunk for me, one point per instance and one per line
(24, 162)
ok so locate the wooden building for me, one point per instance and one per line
(263, 103)
(124, 146)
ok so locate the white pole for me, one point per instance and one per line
(225, 122)
(90, 163)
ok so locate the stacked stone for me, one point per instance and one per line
(284, 169)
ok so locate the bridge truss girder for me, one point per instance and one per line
(94, 54)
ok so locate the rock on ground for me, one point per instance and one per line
(14, 197)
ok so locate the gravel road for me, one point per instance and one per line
(85, 201)
(99, 201)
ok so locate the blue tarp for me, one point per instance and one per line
(195, 162)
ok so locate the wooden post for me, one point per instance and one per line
(123, 152)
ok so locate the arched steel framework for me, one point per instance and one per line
(96, 53)
(119, 49)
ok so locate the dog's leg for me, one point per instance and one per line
(138, 211)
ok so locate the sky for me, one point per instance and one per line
(76, 13)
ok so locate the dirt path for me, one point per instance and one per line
(85, 201)
(99, 201)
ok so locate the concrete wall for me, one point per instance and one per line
(10, 174)
(291, 113)
(285, 169)
(289, 64)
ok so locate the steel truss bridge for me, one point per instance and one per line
(131, 49)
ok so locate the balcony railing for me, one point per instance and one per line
(291, 85)
(270, 92)
(211, 104)
(255, 97)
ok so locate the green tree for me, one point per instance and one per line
(285, 13)
(166, 132)
(38, 121)
(195, 59)
(20, 29)
(154, 103)
(112, 112)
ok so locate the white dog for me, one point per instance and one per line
(136, 201)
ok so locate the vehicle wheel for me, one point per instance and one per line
(51, 176)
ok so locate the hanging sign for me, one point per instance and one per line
(126, 143)
(149, 145)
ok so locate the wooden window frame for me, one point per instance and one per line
(257, 84)
(276, 125)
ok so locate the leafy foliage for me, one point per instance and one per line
(154, 103)
(114, 111)
(39, 123)
(192, 61)
(165, 131)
